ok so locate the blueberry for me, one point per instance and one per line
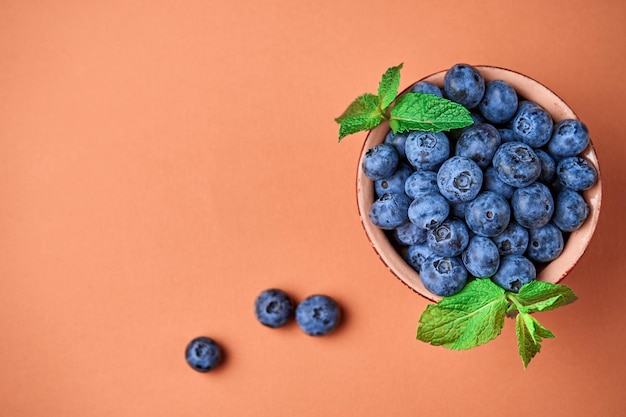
(421, 182)
(429, 210)
(506, 134)
(417, 254)
(396, 140)
(390, 211)
(499, 102)
(576, 173)
(512, 241)
(464, 85)
(203, 354)
(533, 205)
(492, 182)
(545, 243)
(524, 105)
(570, 138)
(273, 308)
(514, 272)
(479, 143)
(409, 234)
(393, 184)
(426, 88)
(532, 125)
(517, 164)
(380, 161)
(488, 214)
(548, 166)
(450, 238)
(477, 119)
(459, 179)
(426, 150)
(570, 210)
(442, 275)
(481, 257)
(318, 315)
(458, 209)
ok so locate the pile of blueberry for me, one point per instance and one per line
(496, 199)
(316, 315)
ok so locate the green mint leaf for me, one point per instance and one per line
(418, 111)
(364, 104)
(529, 336)
(541, 296)
(467, 319)
(362, 114)
(388, 87)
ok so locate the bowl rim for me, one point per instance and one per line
(578, 241)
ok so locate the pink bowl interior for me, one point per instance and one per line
(578, 240)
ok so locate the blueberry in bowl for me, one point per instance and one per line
(527, 147)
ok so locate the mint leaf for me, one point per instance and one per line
(418, 111)
(364, 104)
(541, 296)
(529, 336)
(467, 319)
(362, 114)
(388, 87)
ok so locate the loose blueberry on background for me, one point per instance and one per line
(513, 240)
(479, 143)
(426, 150)
(273, 308)
(459, 179)
(429, 210)
(517, 164)
(450, 238)
(570, 138)
(499, 102)
(390, 211)
(421, 182)
(442, 275)
(532, 125)
(464, 85)
(426, 88)
(488, 214)
(545, 244)
(533, 205)
(576, 173)
(318, 315)
(380, 161)
(393, 184)
(514, 272)
(481, 257)
(570, 211)
(203, 354)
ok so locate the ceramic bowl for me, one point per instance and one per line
(578, 240)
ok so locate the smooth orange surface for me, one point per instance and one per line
(162, 162)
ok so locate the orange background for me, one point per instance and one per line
(162, 162)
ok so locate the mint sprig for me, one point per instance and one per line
(468, 319)
(475, 315)
(411, 111)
